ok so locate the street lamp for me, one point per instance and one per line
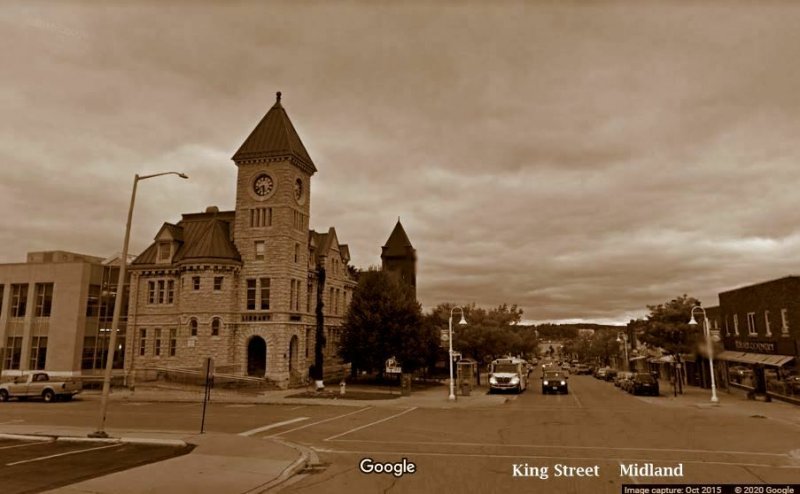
(112, 338)
(707, 332)
(462, 322)
(624, 341)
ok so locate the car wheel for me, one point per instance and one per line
(48, 395)
(3, 395)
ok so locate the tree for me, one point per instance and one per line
(385, 320)
(668, 326)
(488, 334)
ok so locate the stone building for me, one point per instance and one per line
(241, 286)
(399, 257)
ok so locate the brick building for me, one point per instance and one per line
(760, 323)
(242, 286)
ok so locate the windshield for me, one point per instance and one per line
(645, 378)
(552, 375)
(505, 368)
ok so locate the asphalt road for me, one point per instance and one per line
(475, 449)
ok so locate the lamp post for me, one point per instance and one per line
(462, 322)
(624, 341)
(709, 348)
(112, 338)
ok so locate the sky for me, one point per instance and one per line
(579, 160)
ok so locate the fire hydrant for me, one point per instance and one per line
(342, 386)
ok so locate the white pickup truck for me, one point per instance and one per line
(39, 385)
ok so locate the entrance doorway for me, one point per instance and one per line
(257, 357)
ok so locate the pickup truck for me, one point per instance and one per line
(39, 385)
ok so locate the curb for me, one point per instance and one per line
(307, 458)
(77, 439)
(27, 437)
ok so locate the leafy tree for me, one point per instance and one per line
(668, 326)
(489, 334)
(385, 320)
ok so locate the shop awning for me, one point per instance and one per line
(755, 358)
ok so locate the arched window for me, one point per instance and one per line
(215, 323)
(193, 327)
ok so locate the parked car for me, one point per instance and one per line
(622, 378)
(583, 369)
(600, 373)
(39, 385)
(643, 383)
(611, 374)
(554, 382)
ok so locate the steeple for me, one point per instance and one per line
(275, 137)
(398, 244)
(399, 257)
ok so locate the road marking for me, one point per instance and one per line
(116, 445)
(298, 408)
(576, 399)
(553, 446)
(23, 445)
(541, 457)
(319, 422)
(255, 431)
(371, 424)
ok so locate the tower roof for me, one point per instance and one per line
(275, 137)
(398, 243)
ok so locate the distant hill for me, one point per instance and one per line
(559, 331)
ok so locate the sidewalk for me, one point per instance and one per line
(220, 463)
(733, 401)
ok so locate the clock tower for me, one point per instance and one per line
(273, 200)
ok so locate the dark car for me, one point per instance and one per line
(643, 383)
(610, 374)
(554, 382)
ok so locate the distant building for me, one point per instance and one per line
(399, 257)
(241, 286)
(55, 314)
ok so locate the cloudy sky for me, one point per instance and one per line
(581, 161)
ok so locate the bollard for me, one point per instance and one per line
(342, 386)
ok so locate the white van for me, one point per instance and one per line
(508, 374)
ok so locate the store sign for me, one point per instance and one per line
(755, 346)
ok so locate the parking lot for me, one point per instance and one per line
(35, 466)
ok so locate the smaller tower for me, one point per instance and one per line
(399, 257)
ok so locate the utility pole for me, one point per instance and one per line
(319, 340)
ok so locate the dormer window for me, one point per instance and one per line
(164, 251)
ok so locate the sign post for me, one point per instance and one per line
(208, 371)
(393, 369)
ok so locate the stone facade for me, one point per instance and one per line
(240, 286)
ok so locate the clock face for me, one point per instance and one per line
(263, 185)
(298, 189)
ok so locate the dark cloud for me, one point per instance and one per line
(581, 161)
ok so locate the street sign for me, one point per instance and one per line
(392, 367)
(445, 335)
